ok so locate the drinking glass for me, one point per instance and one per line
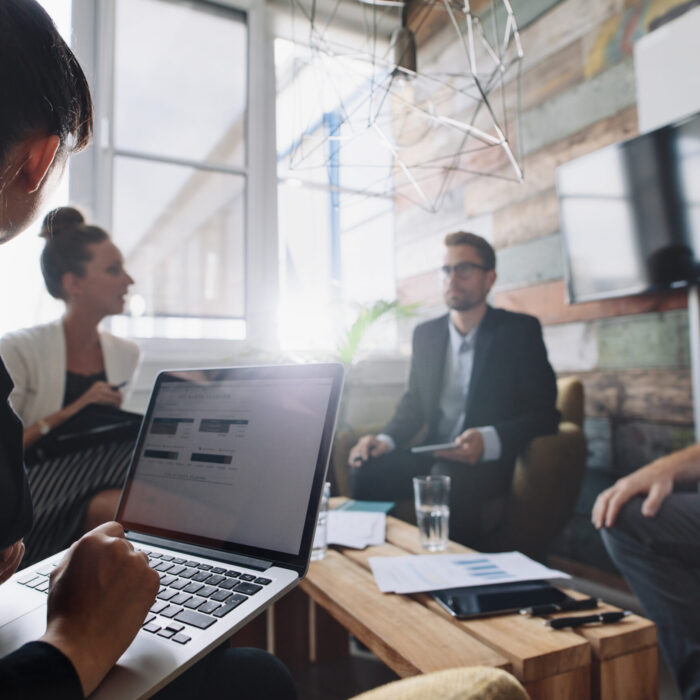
(320, 545)
(432, 498)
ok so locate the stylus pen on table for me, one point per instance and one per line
(548, 608)
(601, 618)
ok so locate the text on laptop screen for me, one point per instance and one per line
(230, 460)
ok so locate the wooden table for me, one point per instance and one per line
(413, 634)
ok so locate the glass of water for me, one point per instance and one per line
(320, 545)
(432, 497)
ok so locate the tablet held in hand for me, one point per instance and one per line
(434, 448)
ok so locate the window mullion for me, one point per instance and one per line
(262, 289)
(104, 110)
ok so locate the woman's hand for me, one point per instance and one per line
(100, 392)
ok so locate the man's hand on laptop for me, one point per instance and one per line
(470, 448)
(10, 557)
(366, 447)
(99, 596)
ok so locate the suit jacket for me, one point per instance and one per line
(512, 387)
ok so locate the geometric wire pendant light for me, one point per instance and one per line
(418, 118)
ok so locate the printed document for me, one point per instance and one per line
(432, 572)
(356, 529)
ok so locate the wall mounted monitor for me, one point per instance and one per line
(630, 214)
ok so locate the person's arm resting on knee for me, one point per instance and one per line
(655, 479)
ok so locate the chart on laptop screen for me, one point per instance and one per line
(231, 460)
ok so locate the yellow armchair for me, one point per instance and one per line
(473, 683)
(546, 481)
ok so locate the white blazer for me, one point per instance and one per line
(36, 360)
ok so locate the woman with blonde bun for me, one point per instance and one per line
(58, 368)
(61, 367)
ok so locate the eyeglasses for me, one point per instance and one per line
(462, 270)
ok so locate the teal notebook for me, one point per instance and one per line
(367, 506)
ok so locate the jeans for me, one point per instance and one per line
(660, 558)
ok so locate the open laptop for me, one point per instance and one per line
(222, 493)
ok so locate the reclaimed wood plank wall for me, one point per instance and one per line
(578, 95)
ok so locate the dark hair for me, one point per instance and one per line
(42, 85)
(68, 238)
(481, 245)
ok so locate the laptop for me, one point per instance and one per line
(222, 493)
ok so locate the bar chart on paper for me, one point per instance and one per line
(419, 573)
(484, 568)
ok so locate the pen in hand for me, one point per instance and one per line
(116, 387)
(359, 460)
(579, 620)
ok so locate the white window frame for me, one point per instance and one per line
(91, 171)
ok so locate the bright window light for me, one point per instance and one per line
(335, 242)
(20, 275)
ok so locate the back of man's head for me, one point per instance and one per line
(481, 245)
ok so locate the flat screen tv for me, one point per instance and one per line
(630, 214)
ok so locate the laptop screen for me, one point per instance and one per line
(231, 458)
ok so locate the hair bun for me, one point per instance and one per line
(60, 221)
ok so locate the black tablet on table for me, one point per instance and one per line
(497, 599)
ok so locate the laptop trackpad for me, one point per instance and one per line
(142, 665)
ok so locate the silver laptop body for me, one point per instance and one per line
(222, 494)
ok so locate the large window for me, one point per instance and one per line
(179, 158)
(185, 173)
(175, 171)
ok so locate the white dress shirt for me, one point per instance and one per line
(459, 360)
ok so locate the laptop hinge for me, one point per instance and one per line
(186, 548)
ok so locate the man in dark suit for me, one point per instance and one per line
(480, 378)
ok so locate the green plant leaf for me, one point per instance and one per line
(368, 316)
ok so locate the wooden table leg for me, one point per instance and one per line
(291, 629)
(632, 676)
(305, 633)
(329, 639)
(254, 634)
(573, 685)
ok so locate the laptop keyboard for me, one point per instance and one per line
(191, 594)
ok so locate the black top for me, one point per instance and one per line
(15, 501)
(36, 670)
(78, 384)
